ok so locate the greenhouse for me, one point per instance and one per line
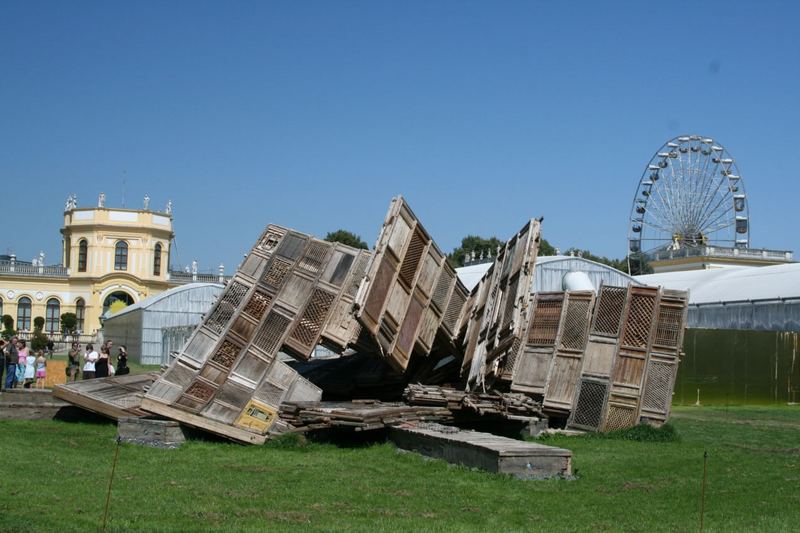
(158, 325)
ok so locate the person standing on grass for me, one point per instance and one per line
(22, 361)
(41, 366)
(101, 366)
(122, 362)
(11, 363)
(30, 369)
(73, 362)
(2, 363)
(51, 347)
(90, 358)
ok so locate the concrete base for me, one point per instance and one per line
(534, 428)
(29, 404)
(149, 432)
(524, 460)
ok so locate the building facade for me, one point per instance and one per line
(108, 254)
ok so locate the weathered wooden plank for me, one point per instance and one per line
(114, 397)
(525, 460)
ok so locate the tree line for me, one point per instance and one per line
(484, 248)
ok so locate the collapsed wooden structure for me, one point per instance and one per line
(592, 361)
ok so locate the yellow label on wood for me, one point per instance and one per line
(256, 416)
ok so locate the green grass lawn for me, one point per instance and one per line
(56, 475)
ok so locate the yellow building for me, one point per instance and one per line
(108, 254)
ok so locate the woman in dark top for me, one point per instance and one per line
(101, 366)
(122, 361)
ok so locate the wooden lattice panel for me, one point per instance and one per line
(455, 309)
(608, 311)
(270, 240)
(658, 387)
(639, 319)
(574, 329)
(590, 405)
(226, 306)
(201, 391)
(442, 290)
(408, 269)
(258, 305)
(276, 273)
(502, 321)
(545, 320)
(232, 353)
(620, 417)
(314, 258)
(226, 353)
(308, 328)
(402, 279)
(271, 332)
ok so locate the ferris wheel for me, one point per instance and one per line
(690, 195)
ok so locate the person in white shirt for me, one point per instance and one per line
(90, 357)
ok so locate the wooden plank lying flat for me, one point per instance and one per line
(90, 404)
(113, 397)
(201, 422)
(525, 460)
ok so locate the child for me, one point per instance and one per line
(30, 372)
(41, 365)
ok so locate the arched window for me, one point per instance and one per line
(157, 260)
(83, 249)
(80, 312)
(121, 256)
(1, 307)
(24, 314)
(52, 316)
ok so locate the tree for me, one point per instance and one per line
(640, 265)
(39, 338)
(486, 248)
(8, 327)
(348, 238)
(68, 323)
(545, 248)
(482, 247)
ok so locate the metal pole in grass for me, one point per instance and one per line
(111, 482)
(703, 491)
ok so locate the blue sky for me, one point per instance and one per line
(314, 114)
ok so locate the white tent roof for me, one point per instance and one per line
(150, 300)
(559, 264)
(732, 284)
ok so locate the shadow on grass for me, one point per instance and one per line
(73, 413)
(640, 433)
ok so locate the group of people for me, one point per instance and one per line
(95, 365)
(23, 368)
